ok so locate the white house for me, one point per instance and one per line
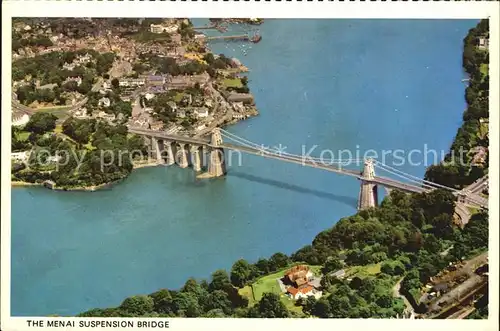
(69, 66)
(84, 58)
(82, 113)
(126, 82)
(201, 112)
(483, 43)
(77, 79)
(303, 292)
(159, 28)
(149, 96)
(105, 102)
(53, 159)
(20, 156)
(20, 120)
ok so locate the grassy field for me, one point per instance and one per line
(473, 210)
(57, 111)
(269, 284)
(232, 82)
(178, 96)
(23, 135)
(484, 69)
(363, 271)
(58, 128)
(248, 293)
(483, 130)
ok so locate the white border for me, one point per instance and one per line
(265, 10)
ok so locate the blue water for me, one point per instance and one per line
(338, 84)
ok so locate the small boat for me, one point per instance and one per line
(256, 38)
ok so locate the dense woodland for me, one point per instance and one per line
(92, 152)
(457, 171)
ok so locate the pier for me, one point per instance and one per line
(210, 27)
(245, 37)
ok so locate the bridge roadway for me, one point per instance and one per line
(387, 182)
(384, 181)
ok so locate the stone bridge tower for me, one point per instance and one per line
(217, 165)
(368, 193)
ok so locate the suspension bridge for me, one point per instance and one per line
(190, 151)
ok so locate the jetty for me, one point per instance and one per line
(211, 27)
(245, 37)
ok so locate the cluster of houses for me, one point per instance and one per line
(83, 114)
(483, 43)
(20, 156)
(80, 60)
(299, 282)
(163, 28)
(168, 82)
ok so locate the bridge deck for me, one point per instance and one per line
(384, 181)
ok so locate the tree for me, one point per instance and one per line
(163, 301)
(241, 273)
(115, 83)
(262, 266)
(332, 264)
(278, 261)
(322, 308)
(186, 304)
(220, 280)
(270, 306)
(215, 313)
(40, 123)
(219, 300)
(387, 268)
(309, 305)
(138, 305)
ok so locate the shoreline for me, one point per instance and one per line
(15, 183)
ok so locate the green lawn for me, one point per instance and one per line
(289, 303)
(473, 210)
(57, 111)
(178, 96)
(316, 269)
(23, 135)
(232, 82)
(483, 130)
(248, 293)
(270, 284)
(267, 283)
(363, 271)
(484, 69)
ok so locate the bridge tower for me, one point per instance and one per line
(216, 138)
(195, 153)
(170, 153)
(157, 146)
(182, 160)
(368, 194)
(216, 166)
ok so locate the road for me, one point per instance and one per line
(396, 293)
(478, 186)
